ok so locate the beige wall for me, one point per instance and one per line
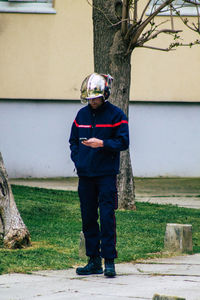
(47, 57)
(167, 76)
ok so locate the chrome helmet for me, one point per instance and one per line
(96, 85)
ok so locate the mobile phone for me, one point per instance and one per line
(83, 139)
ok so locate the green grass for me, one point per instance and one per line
(53, 219)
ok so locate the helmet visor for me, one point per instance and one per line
(93, 86)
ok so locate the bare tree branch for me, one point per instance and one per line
(185, 21)
(125, 10)
(135, 11)
(197, 42)
(171, 47)
(171, 17)
(120, 22)
(156, 48)
(145, 36)
(133, 33)
(146, 22)
(147, 5)
(198, 15)
(153, 36)
(161, 23)
(163, 31)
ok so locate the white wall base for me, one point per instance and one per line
(165, 138)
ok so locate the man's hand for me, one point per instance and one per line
(93, 143)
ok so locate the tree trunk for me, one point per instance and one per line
(110, 57)
(12, 227)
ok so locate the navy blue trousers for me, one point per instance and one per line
(98, 195)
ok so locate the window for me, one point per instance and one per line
(185, 9)
(27, 6)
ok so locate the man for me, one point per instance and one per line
(99, 133)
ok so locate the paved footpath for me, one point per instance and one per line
(178, 276)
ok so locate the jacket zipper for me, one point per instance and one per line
(93, 124)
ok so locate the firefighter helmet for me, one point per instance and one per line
(96, 85)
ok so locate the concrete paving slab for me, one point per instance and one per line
(177, 276)
(188, 202)
(181, 259)
(55, 184)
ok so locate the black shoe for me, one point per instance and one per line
(109, 268)
(93, 267)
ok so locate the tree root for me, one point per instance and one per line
(17, 239)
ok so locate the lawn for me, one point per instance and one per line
(53, 219)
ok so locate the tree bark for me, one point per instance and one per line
(12, 228)
(110, 56)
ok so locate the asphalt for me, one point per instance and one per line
(177, 276)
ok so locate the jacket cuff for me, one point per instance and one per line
(106, 145)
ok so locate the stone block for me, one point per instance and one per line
(1, 226)
(163, 297)
(82, 250)
(178, 238)
(1, 230)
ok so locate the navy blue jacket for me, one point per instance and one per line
(107, 123)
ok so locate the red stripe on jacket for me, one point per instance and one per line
(82, 126)
(101, 125)
(112, 125)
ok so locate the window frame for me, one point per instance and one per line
(27, 6)
(188, 10)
